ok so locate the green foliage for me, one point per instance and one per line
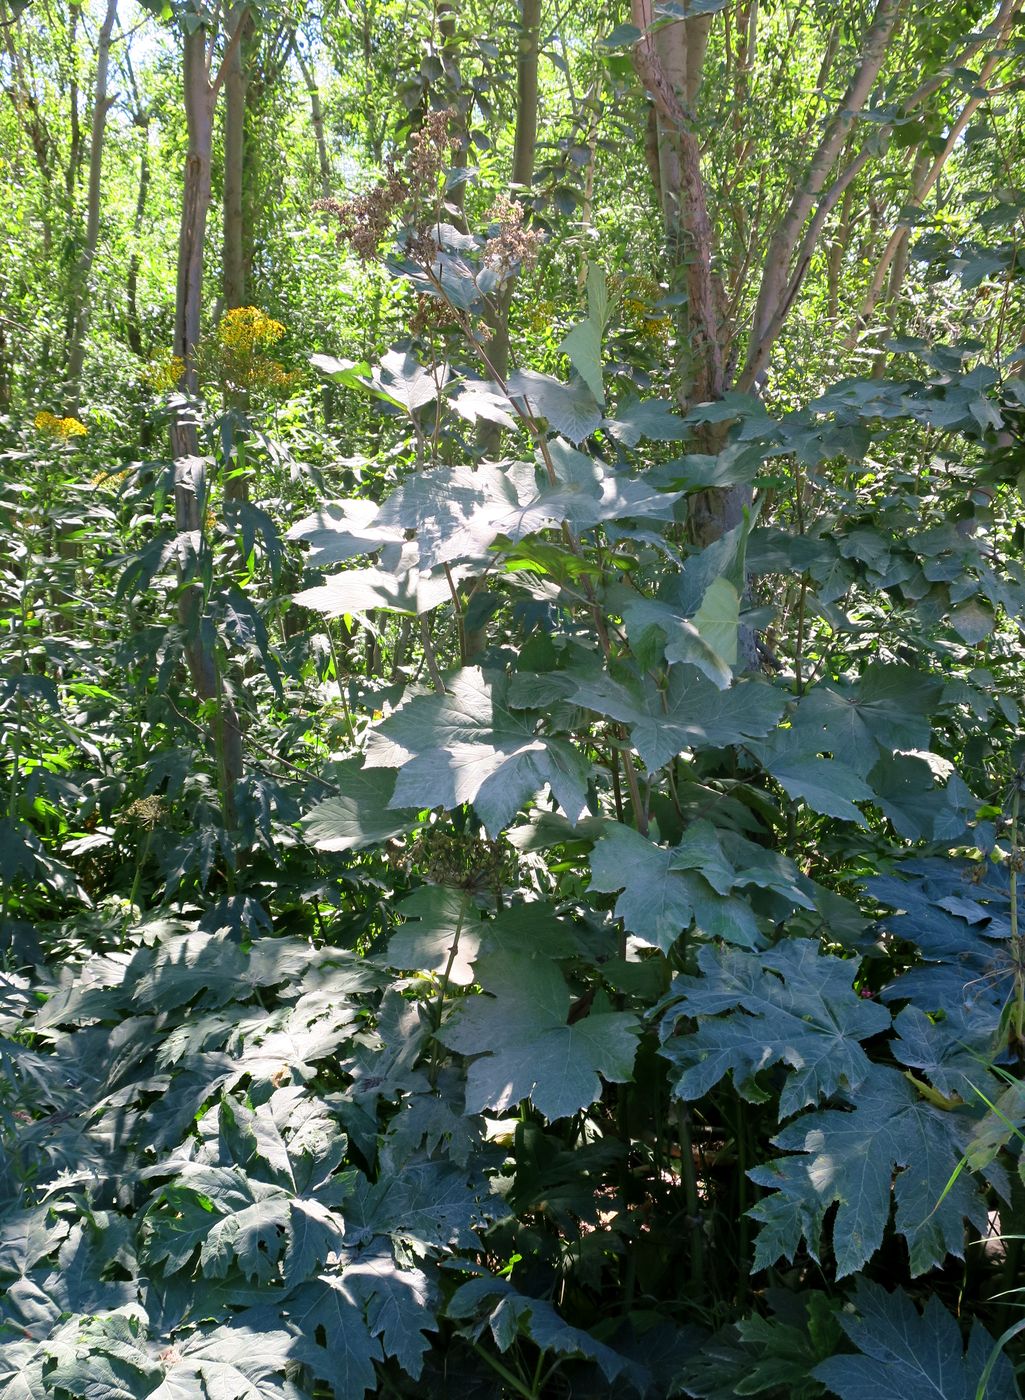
(510, 877)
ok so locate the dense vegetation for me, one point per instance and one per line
(511, 610)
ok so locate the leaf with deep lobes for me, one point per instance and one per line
(525, 1047)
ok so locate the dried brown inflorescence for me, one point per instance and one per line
(365, 220)
(514, 245)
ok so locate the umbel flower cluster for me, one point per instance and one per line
(62, 428)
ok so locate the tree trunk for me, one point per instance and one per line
(773, 299)
(134, 325)
(79, 300)
(199, 117)
(317, 121)
(521, 179)
(189, 489)
(234, 270)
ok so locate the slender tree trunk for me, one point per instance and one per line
(521, 179)
(199, 116)
(80, 294)
(189, 492)
(134, 325)
(317, 121)
(773, 299)
(446, 19)
(234, 270)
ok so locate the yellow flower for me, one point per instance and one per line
(244, 329)
(53, 426)
(110, 479)
(163, 371)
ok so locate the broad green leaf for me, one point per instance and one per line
(889, 709)
(342, 530)
(442, 934)
(690, 713)
(511, 1314)
(524, 1047)
(400, 1307)
(346, 1360)
(891, 1146)
(825, 784)
(658, 902)
(908, 1355)
(361, 816)
(569, 409)
(370, 589)
(656, 419)
(468, 746)
(787, 1005)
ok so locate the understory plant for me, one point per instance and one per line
(608, 974)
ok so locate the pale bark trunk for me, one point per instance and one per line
(234, 270)
(317, 121)
(80, 294)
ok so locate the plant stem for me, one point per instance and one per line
(510, 1378)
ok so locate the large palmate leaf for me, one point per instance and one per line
(346, 1359)
(442, 934)
(370, 589)
(889, 709)
(524, 1046)
(825, 784)
(689, 713)
(458, 513)
(344, 529)
(361, 816)
(787, 1005)
(495, 1304)
(467, 745)
(659, 899)
(850, 1157)
(569, 409)
(908, 1355)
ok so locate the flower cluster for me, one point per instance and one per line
(364, 220)
(63, 428)
(111, 479)
(236, 353)
(513, 245)
(163, 371)
(460, 860)
(245, 329)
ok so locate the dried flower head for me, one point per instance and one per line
(365, 220)
(145, 812)
(514, 245)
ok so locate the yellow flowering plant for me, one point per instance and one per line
(237, 354)
(163, 371)
(62, 429)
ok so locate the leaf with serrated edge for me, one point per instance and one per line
(525, 1047)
